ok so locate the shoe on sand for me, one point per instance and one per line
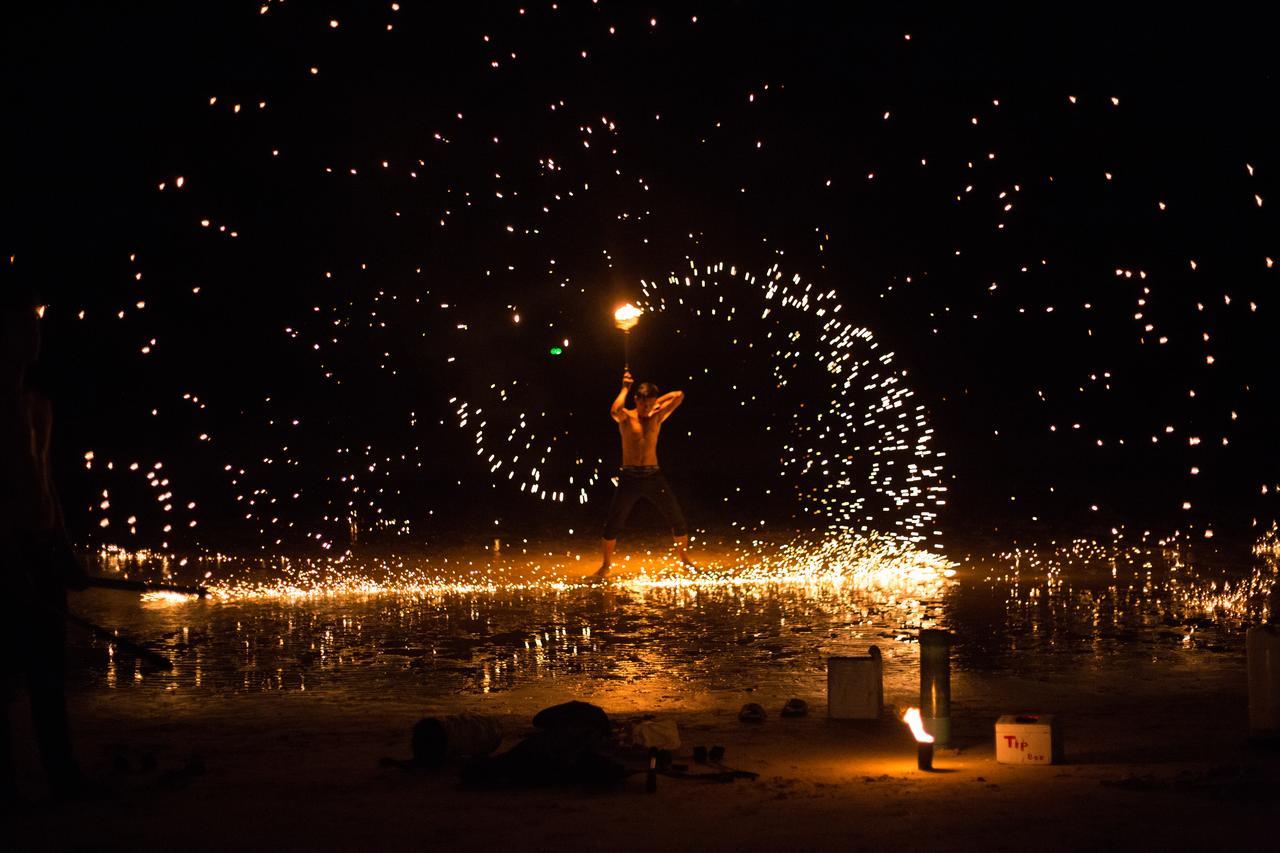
(752, 712)
(795, 708)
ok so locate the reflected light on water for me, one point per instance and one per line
(764, 615)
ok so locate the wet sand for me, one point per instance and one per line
(268, 733)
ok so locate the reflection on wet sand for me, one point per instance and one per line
(458, 625)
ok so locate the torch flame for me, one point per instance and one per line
(627, 316)
(912, 719)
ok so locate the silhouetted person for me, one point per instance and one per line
(36, 564)
(640, 476)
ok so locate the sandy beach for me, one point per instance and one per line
(1155, 730)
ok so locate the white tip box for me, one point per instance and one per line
(1028, 739)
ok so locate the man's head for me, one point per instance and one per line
(646, 395)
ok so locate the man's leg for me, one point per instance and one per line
(607, 546)
(661, 496)
(624, 500)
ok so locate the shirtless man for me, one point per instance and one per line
(37, 565)
(641, 477)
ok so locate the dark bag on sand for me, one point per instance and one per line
(565, 751)
(436, 739)
(576, 718)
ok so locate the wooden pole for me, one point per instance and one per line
(935, 684)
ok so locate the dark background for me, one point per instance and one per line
(103, 103)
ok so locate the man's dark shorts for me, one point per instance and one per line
(647, 482)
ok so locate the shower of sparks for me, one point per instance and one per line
(1100, 584)
(1142, 577)
(861, 461)
(870, 563)
(464, 624)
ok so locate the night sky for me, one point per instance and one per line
(247, 222)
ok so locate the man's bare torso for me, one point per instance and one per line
(639, 438)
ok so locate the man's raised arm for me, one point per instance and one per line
(620, 402)
(667, 403)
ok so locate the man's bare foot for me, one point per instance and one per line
(602, 572)
(687, 563)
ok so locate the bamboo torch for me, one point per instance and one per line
(924, 740)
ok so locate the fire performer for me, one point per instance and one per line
(36, 563)
(640, 476)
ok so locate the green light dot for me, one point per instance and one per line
(556, 351)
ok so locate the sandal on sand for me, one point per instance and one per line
(751, 713)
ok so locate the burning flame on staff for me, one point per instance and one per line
(912, 719)
(626, 317)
